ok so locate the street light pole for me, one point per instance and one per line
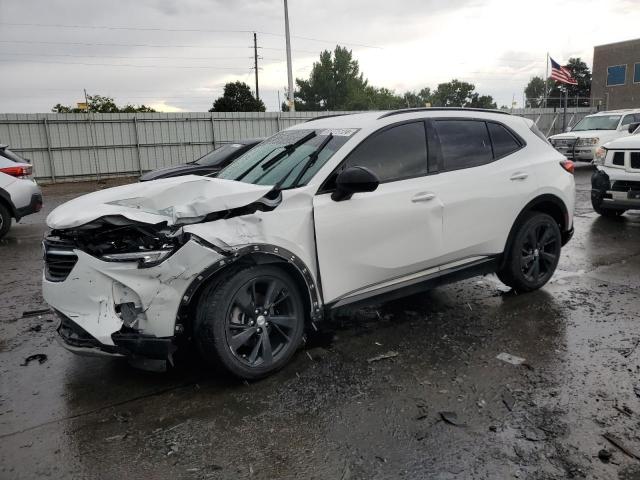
(292, 107)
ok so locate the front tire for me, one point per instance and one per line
(5, 220)
(534, 253)
(251, 323)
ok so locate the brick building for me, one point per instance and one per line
(616, 75)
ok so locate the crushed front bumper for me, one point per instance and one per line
(116, 308)
(615, 189)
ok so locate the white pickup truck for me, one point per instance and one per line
(593, 131)
(615, 185)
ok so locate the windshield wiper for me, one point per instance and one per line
(246, 172)
(313, 157)
(288, 150)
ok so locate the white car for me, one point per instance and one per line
(615, 185)
(593, 131)
(330, 212)
(19, 193)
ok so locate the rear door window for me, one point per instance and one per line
(464, 143)
(395, 153)
(504, 143)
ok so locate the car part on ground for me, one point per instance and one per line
(313, 218)
(209, 164)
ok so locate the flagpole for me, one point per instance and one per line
(546, 79)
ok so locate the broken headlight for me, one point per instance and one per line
(145, 258)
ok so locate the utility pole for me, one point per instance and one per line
(255, 63)
(292, 106)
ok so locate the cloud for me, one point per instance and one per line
(496, 44)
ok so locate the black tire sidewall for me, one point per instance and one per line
(514, 276)
(6, 220)
(210, 331)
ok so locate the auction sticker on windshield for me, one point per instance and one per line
(339, 132)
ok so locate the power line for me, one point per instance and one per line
(121, 65)
(164, 29)
(93, 44)
(125, 57)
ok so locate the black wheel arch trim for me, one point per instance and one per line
(5, 199)
(252, 252)
(565, 232)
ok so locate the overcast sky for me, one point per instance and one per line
(177, 54)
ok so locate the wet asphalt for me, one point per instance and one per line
(444, 407)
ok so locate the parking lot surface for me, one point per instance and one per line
(407, 389)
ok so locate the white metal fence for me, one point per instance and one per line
(78, 146)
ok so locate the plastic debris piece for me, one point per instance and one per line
(451, 418)
(383, 356)
(40, 357)
(512, 359)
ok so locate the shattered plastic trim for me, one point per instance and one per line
(267, 249)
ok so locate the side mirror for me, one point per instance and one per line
(353, 180)
(633, 127)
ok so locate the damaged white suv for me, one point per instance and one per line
(327, 213)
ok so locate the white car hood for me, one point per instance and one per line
(176, 200)
(632, 141)
(587, 134)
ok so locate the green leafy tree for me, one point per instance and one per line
(237, 97)
(453, 94)
(580, 71)
(418, 99)
(335, 83)
(101, 104)
(481, 101)
(534, 92)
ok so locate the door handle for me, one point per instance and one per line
(519, 176)
(423, 197)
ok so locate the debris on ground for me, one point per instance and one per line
(383, 356)
(636, 390)
(616, 442)
(512, 359)
(508, 400)
(40, 357)
(35, 313)
(451, 418)
(534, 434)
(604, 455)
(35, 328)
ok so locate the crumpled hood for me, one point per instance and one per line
(173, 200)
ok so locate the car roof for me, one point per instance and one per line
(376, 117)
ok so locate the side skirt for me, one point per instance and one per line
(420, 284)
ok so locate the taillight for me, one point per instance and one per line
(568, 165)
(19, 171)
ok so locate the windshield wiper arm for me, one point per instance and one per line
(313, 157)
(288, 150)
(246, 172)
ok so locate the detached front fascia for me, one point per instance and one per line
(95, 289)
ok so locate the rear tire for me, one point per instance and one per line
(251, 322)
(5, 220)
(533, 254)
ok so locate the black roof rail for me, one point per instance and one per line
(441, 109)
(328, 116)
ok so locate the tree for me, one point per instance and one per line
(237, 97)
(335, 83)
(453, 94)
(481, 101)
(100, 104)
(534, 92)
(419, 99)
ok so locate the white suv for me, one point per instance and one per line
(593, 131)
(330, 212)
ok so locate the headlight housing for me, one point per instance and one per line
(598, 158)
(145, 258)
(588, 141)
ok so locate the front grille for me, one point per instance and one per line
(622, 186)
(635, 160)
(59, 258)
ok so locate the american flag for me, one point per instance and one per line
(561, 74)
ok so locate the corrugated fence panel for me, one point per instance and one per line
(74, 146)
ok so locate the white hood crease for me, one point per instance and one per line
(172, 200)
